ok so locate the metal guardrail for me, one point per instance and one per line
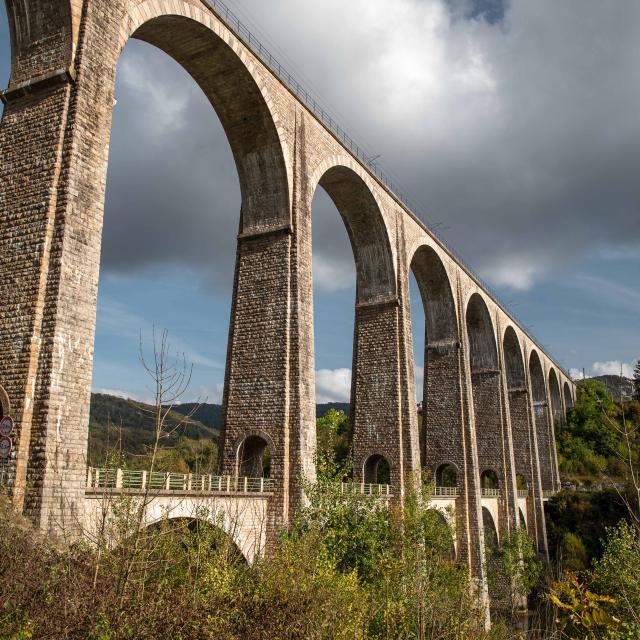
(368, 160)
(127, 479)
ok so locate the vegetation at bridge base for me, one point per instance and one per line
(349, 568)
(385, 580)
(594, 529)
(599, 459)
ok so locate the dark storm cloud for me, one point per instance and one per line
(172, 190)
(492, 11)
(521, 137)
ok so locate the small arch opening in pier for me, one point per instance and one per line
(377, 470)
(521, 482)
(447, 475)
(254, 458)
(489, 479)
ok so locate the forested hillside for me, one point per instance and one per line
(123, 430)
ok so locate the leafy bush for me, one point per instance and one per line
(591, 445)
(617, 572)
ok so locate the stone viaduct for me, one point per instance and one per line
(492, 396)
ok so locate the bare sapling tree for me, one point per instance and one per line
(170, 377)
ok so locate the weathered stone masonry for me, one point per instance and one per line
(492, 397)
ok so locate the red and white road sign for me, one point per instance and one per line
(6, 426)
(5, 447)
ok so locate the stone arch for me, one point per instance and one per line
(568, 398)
(513, 361)
(198, 42)
(546, 445)
(447, 475)
(556, 400)
(376, 422)
(522, 433)
(227, 533)
(446, 543)
(361, 211)
(438, 438)
(538, 389)
(483, 353)
(491, 539)
(253, 451)
(437, 298)
(489, 479)
(376, 470)
(485, 384)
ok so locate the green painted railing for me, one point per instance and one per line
(134, 480)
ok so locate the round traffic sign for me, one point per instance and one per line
(5, 447)
(6, 426)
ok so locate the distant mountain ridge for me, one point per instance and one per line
(211, 414)
(127, 426)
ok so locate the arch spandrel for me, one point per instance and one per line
(363, 215)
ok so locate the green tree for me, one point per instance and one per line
(600, 439)
(617, 573)
(636, 381)
(333, 434)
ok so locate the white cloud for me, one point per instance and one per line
(576, 374)
(332, 275)
(612, 368)
(497, 128)
(333, 385)
(516, 272)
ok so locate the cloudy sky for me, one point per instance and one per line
(513, 126)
